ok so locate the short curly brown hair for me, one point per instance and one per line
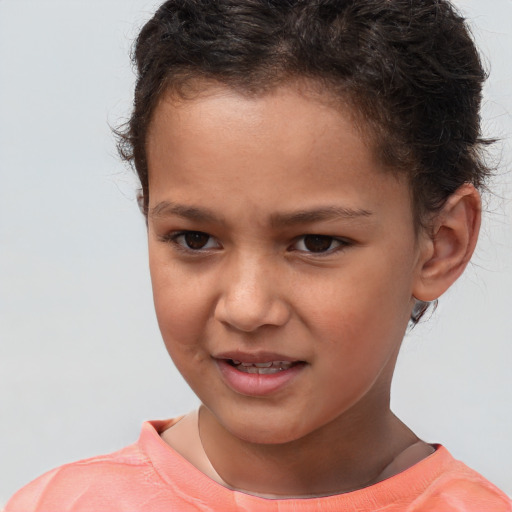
(408, 68)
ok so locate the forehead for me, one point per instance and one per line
(297, 98)
(286, 146)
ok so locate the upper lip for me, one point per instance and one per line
(254, 357)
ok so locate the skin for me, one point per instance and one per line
(243, 170)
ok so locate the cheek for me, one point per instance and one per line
(180, 305)
(365, 304)
(360, 328)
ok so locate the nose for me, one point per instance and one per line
(252, 296)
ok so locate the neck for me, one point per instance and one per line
(342, 456)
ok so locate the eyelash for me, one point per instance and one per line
(173, 238)
(340, 244)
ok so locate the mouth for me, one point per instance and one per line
(258, 374)
(262, 368)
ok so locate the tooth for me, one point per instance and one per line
(248, 365)
(261, 371)
(235, 362)
(282, 364)
(264, 365)
(269, 370)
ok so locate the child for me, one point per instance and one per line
(310, 175)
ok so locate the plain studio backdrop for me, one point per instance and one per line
(81, 359)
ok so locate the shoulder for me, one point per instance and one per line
(86, 480)
(126, 480)
(459, 488)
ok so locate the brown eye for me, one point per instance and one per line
(196, 240)
(192, 241)
(318, 243)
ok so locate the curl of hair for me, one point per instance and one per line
(408, 68)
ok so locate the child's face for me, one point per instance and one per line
(238, 188)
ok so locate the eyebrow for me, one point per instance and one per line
(200, 214)
(168, 209)
(318, 215)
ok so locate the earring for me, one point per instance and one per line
(420, 308)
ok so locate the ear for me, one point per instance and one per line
(448, 247)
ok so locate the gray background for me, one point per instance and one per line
(81, 360)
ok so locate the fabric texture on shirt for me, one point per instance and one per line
(149, 476)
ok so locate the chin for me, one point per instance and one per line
(268, 430)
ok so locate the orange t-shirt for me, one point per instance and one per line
(150, 476)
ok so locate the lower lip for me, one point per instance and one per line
(256, 384)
